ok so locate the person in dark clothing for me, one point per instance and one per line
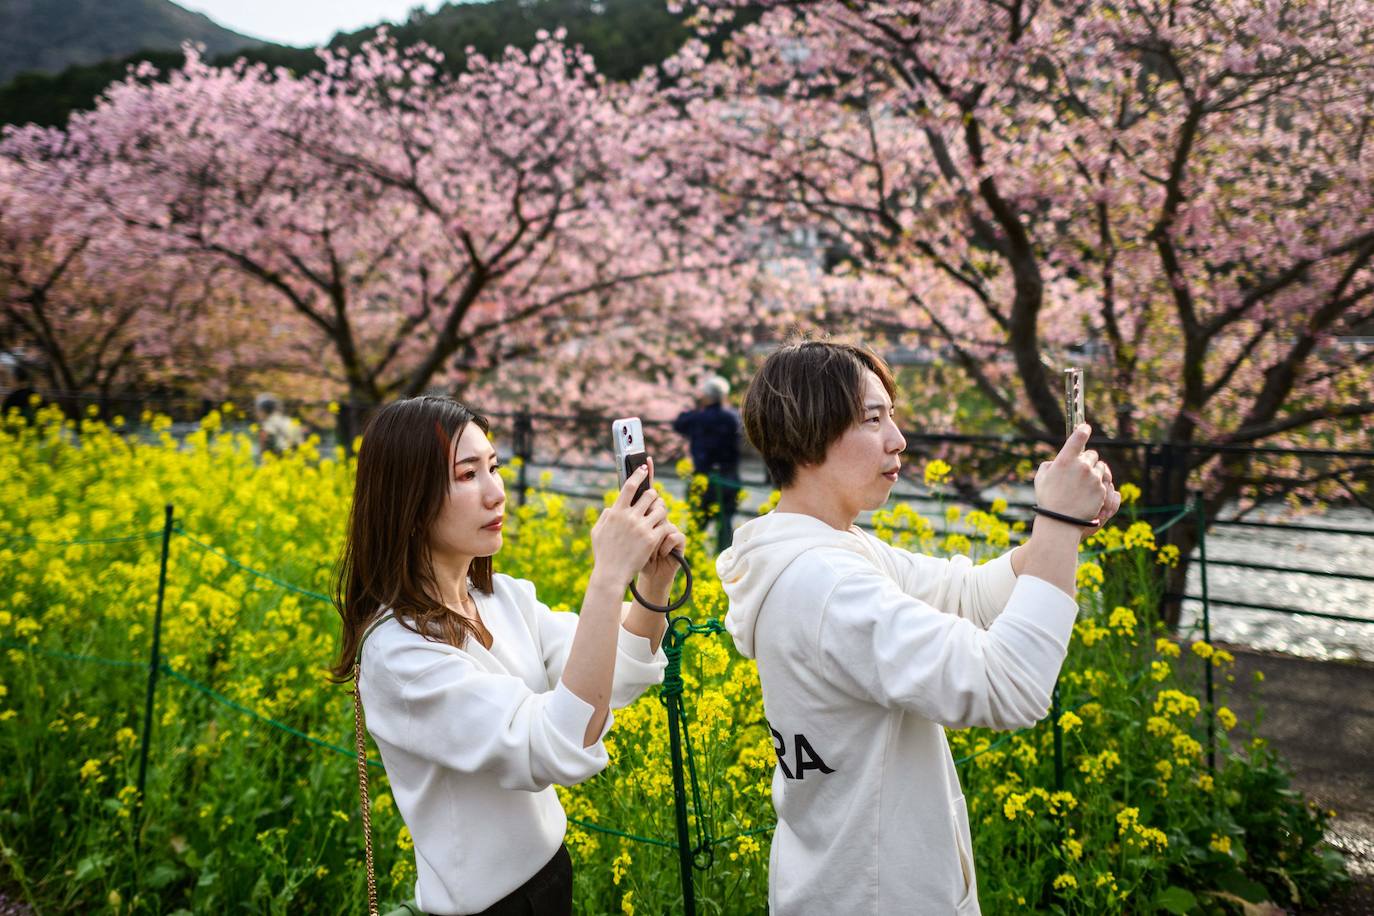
(20, 394)
(713, 430)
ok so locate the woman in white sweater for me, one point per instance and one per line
(866, 653)
(479, 697)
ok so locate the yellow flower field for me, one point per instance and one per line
(251, 793)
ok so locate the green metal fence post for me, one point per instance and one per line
(725, 529)
(1058, 740)
(672, 698)
(1206, 631)
(154, 665)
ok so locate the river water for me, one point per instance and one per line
(1309, 637)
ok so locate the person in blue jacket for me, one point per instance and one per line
(713, 431)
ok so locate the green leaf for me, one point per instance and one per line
(163, 874)
(1175, 899)
(90, 867)
(1246, 889)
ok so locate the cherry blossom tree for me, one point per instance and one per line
(409, 228)
(98, 315)
(1185, 186)
(1180, 194)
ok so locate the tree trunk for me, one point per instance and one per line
(353, 416)
(1165, 483)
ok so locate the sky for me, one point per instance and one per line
(303, 22)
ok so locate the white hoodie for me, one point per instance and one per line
(866, 653)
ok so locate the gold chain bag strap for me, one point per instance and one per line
(362, 770)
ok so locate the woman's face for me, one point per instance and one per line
(469, 524)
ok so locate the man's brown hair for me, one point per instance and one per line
(805, 397)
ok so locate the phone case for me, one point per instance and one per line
(627, 435)
(1073, 399)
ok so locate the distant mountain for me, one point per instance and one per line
(51, 35)
(624, 36)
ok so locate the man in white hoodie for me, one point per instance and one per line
(867, 653)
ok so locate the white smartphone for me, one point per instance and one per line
(627, 434)
(1073, 400)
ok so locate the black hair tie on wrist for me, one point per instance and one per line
(681, 599)
(1059, 516)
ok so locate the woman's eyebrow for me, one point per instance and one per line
(474, 459)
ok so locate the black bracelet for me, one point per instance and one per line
(677, 602)
(1059, 516)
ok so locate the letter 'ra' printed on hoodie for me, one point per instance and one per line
(804, 756)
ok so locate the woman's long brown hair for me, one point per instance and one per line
(403, 479)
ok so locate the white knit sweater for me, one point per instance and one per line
(473, 741)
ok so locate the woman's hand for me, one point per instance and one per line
(656, 575)
(628, 536)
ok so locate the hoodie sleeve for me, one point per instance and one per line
(432, 700)
(637, 666)
(954, 585)
(884, 646)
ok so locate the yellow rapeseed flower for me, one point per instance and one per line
(936, 472)
(1090, 577)
(1122, 620)
(1177, 703)
(90, 771)
(1139, 534)
(620, 865)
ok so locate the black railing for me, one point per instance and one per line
(570, 442)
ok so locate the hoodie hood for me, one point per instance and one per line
(762, 549)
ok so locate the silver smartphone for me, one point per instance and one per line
(1073, 400)
(627, 434)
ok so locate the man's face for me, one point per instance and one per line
(861, 466)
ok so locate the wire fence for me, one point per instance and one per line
(694, 840)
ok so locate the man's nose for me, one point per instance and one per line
(897, 443)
